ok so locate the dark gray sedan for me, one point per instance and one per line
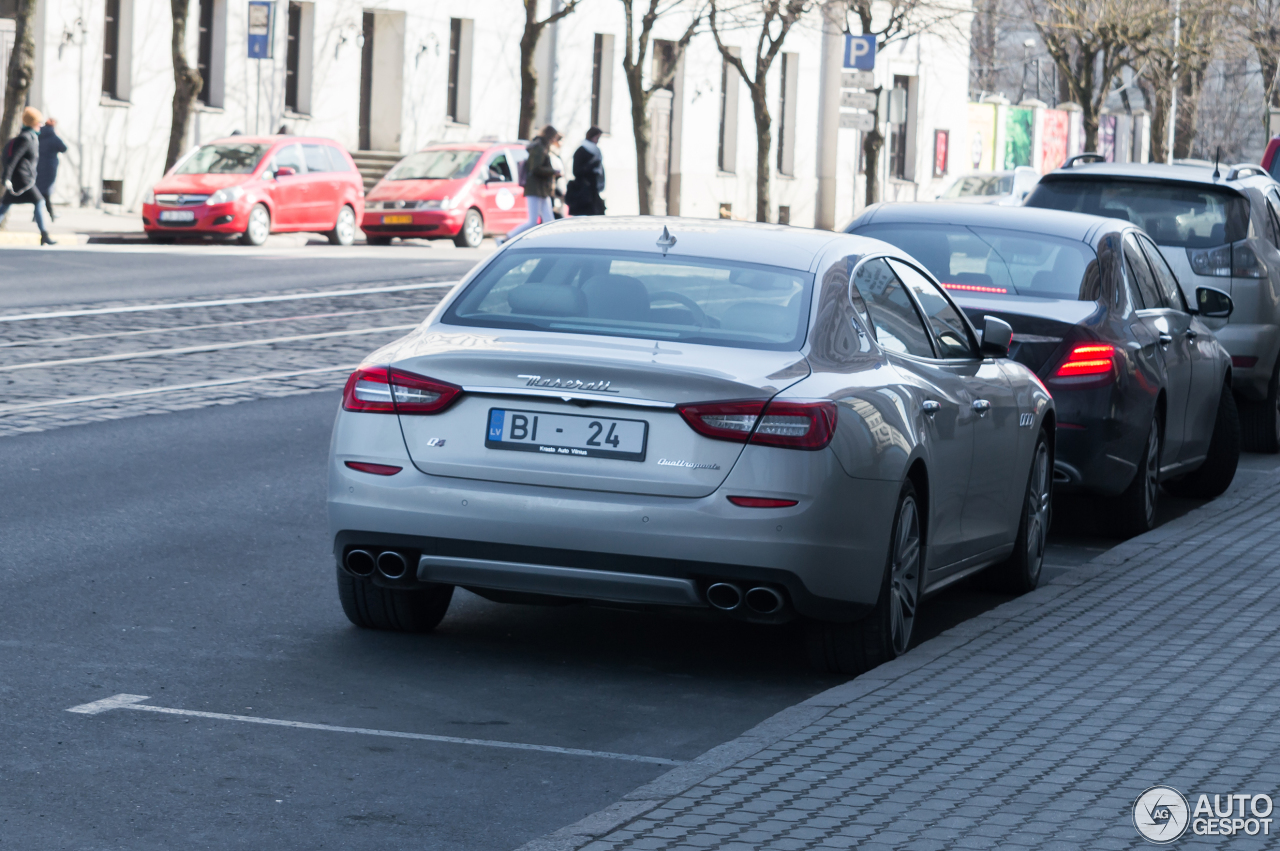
(1142, 386)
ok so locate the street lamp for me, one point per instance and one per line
(1173, 95)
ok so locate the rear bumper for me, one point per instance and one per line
(1261, 342)
(1099, 438)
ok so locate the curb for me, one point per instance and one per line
(17, 238)
(795, 718)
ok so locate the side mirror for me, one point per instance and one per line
(997, 335)
(1213, 303)
(285, 171)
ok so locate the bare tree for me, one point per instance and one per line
(1091, 41)
(639, 36)
(775, 19)
(1259, 21)
(528, 73)
(22, 70)
(1159, 59)
(984, 46)
(187, 83)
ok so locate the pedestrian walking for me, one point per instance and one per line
(47, 170)
(583, 194)
(21, 156)
(539, 180)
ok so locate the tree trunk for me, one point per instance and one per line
(764, 141)
(640, 126)
(1188, 105)
(1157, 100)
(22, 70)
(187, 83)
(872, 144)
(528, 74)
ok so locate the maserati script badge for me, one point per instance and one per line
(688, 465)
(567, 383)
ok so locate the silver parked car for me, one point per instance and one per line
(768, 421)
(1217, 226)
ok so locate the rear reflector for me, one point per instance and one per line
(383, 390)
(975, 288)
(761, 502)
(1095, 361)
(376, 469)
(791, 425)
(1244, 361)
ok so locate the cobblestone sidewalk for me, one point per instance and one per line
(1035, 725)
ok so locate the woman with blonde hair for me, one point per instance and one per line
(19, 160)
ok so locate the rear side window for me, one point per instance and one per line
(317, 158)
(337, 162)
(1187, 215)
(996, 261)
(1273, 213)
(897, 325)
(694, 300)
(1165, 278)
(1140, 273)
(949, 330)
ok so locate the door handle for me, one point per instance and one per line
(930, 407)
(1165, 339)
(981, 406)
(1191, 334)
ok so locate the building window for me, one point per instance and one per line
(204, 55)
(212, 50)
(899, 110)
(602, 82)
(291, 56)
(458, 109)
(111, 50)
(788, 92)
(727, 160)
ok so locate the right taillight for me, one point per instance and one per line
(1236, 259)
(791, 425)
(383, 390)
(1090, 364)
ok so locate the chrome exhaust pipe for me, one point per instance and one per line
(763, 600)
(359, 562)
(391, 564)
(725, 596)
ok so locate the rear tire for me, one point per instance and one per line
(399, 610)
(1020, 573)
(1260, 421)
(344, 229)
(1215, 475)
(472, 232)
(885, 634)
(258, 228)
(1134, 511)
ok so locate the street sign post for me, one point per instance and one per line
(860, 52)
(864, 121)
(857, 80)
(858, 100)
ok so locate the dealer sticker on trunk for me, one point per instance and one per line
(567, 434)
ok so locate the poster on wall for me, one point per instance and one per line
(981, 155)
(941, 142)
(1053, 139)
(1019, 130)
(1107, 137)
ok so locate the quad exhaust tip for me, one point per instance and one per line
(360, 562)
(724, 596)
(759, 599)
(391, 564)
(763, 600)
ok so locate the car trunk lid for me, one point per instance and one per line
(1039, 324)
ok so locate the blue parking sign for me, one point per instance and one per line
(260, 29)
(860, 52)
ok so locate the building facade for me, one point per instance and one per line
(405, 73)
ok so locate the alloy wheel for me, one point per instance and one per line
(259, 225)
(475, 228)
(904, 576)
(346, 226)
(1152, 472)
(1039, 496)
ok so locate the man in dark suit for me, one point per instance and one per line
(47, 169)
(583, 193)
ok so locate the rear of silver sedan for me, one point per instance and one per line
(610, 424)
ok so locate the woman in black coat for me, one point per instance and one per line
(21, 158)
(583, 193)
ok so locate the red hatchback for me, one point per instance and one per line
(253, 186)
(459, 192)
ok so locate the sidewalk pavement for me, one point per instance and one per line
(74, 226)
(1034, 725)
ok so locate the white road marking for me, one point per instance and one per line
(195, 385)
(134, 701)
(179, 305)
(208, 347)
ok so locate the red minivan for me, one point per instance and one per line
(459, 192)
(1271, 158)
(253, 186)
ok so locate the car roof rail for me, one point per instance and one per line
(1091, 157)
(1238, 171)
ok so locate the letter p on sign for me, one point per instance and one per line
(860, 52)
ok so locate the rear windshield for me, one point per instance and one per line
(1182, 214)
(980, 184)
(223, 159)
(435, 165)
(991, 260)
(713, 302)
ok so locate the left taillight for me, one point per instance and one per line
(790, 425)
(382, 390)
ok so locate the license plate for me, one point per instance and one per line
(177, 216)
(397, 220)
(567, 434)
